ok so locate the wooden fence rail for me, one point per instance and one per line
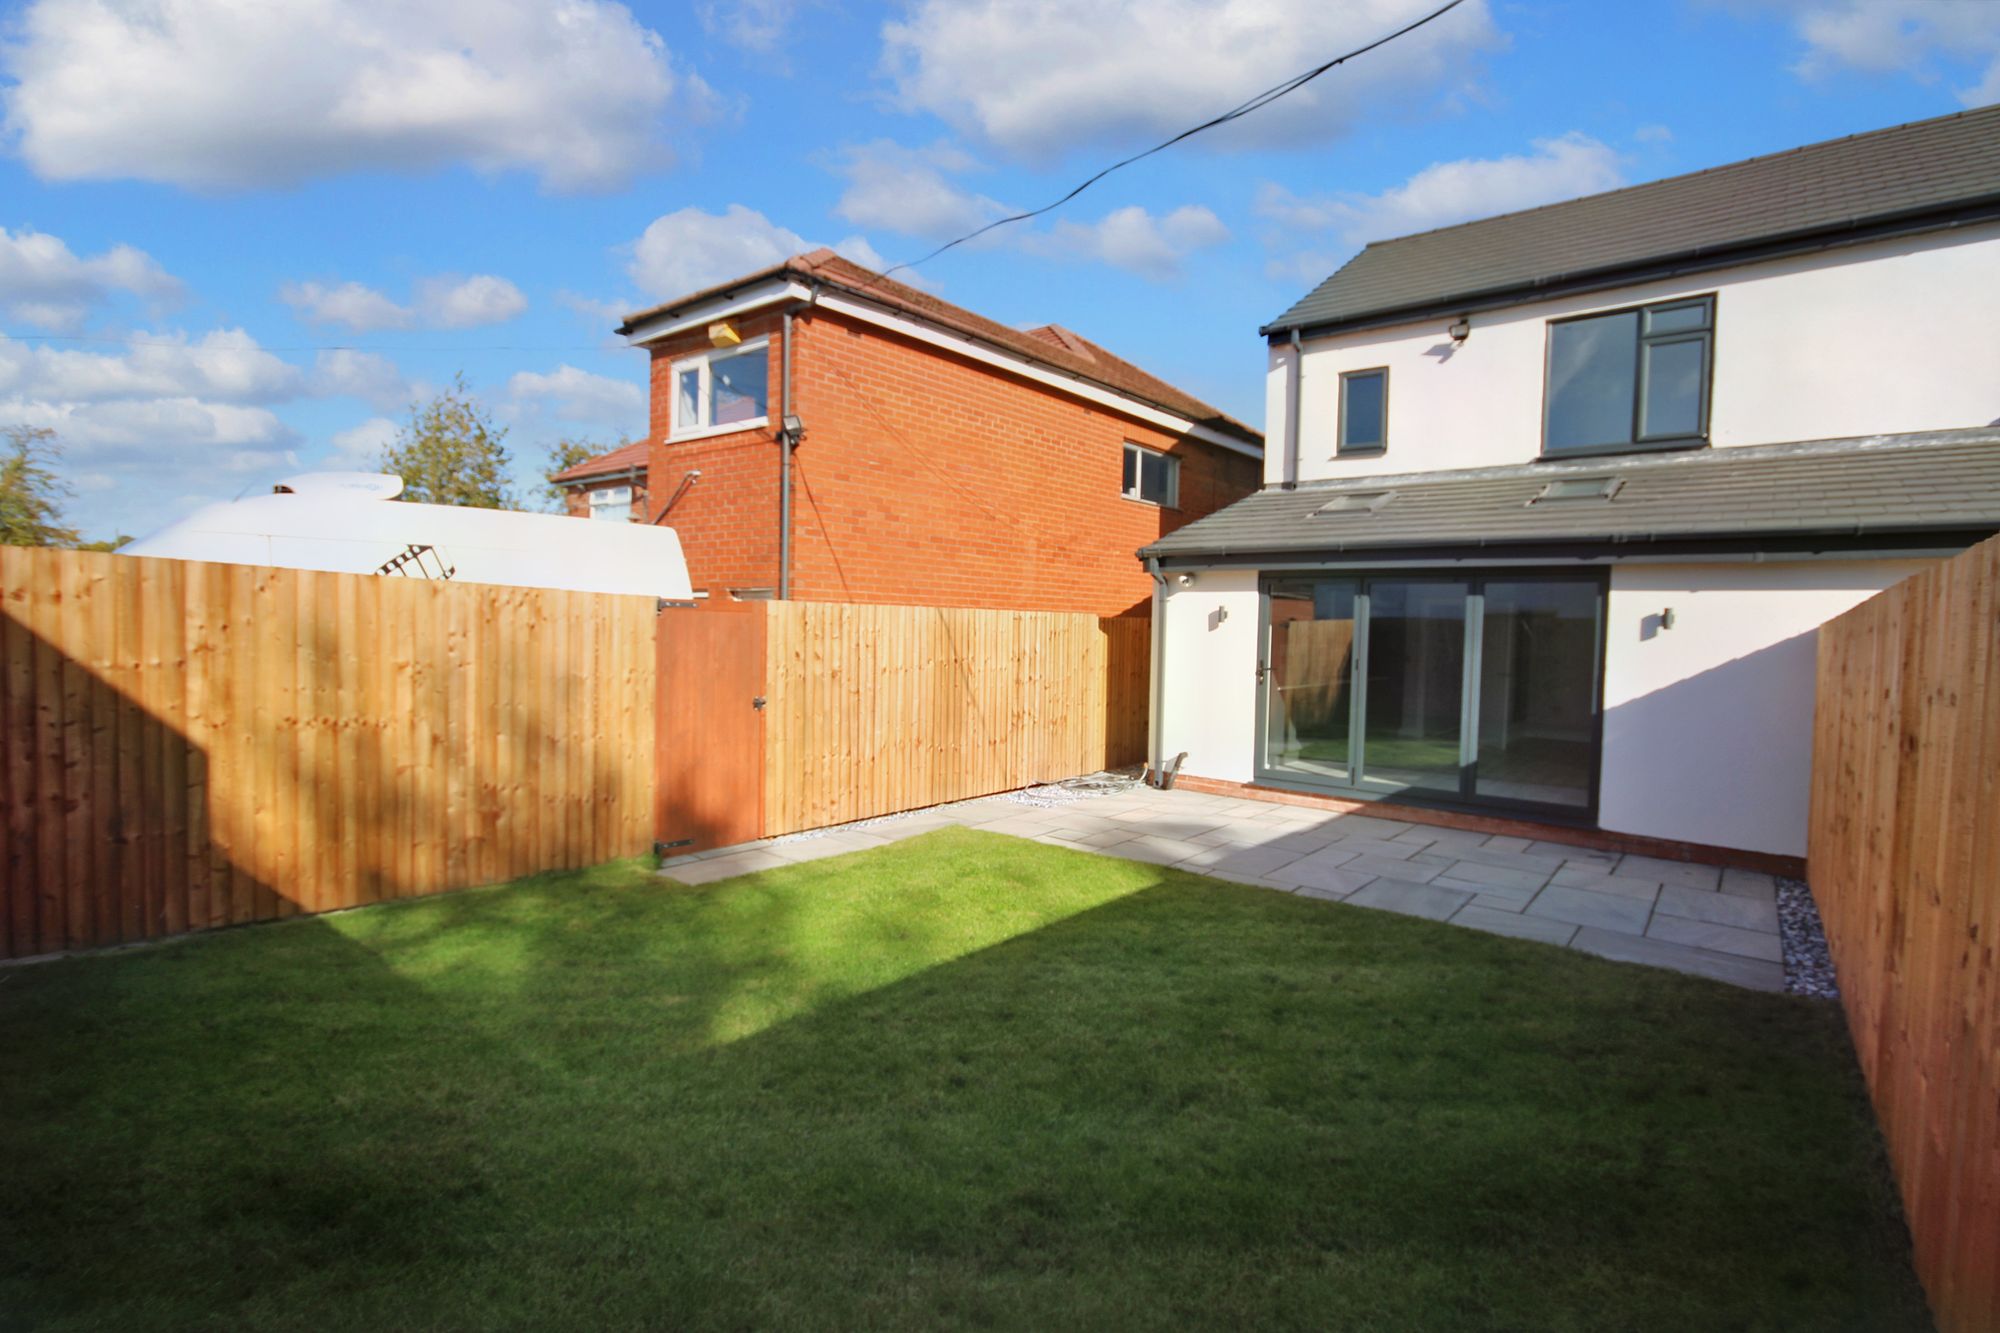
(188, 745)
(1904, 860)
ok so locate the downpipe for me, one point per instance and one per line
(1157, 773)
(785, 445)
(1290, 478)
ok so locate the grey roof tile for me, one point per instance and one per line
(1876, 484)
(1844, 183)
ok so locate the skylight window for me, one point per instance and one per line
(1355, 502)
(1579, 488)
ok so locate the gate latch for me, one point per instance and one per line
(757, 702)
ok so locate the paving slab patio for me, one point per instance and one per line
(1706, 920)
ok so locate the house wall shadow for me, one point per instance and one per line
(1722, 757)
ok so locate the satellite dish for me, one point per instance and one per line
(351, 485)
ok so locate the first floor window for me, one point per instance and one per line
(1152, 476)
(1630, 378)
(1364, 411)
(722, 389)
(611, 502)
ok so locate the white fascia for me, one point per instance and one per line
(682, 319)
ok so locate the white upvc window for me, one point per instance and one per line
(722, 390)
(613, 502)
(1152, 477)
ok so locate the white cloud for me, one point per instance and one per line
(1915, 37)
(440, 303)
(44, 283)
(691, 248)
(159, 437)
(359, 448)
(580, 396)
(1037, 79)
(757, 26)
(1135, 240)
(1653, 134)
(225, 365)
(478, 300)
(212, 94)
(1438, 196)
(904, 190)
(165, 409)
(369, 376)
(609, 311)
(349, 305)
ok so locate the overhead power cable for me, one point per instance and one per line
(1261, 100)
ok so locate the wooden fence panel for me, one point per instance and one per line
(189, 745)
(876, 709)
(1904, 859)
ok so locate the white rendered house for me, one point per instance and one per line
(1555, 502)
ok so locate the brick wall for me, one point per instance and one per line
(927, 478)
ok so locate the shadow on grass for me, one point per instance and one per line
(964, 1080)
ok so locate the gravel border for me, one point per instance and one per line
(1808, 965)
(1109, 782)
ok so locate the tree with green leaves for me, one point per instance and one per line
(565, 454)
(450, 453)
(31, 494)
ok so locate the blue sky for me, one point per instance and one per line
(234, 246)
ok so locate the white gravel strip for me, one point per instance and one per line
(1107, 783)
(1808, 965)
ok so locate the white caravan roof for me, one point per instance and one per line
(351, 523)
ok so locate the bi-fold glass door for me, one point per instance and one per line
(1481, 690)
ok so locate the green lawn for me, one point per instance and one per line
(962, 1081)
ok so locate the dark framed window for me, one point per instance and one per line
(1152, 477)
(1630, 379)
(1364, 411)
(1480, 689)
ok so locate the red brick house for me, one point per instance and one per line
(915, 452)
(610, 485)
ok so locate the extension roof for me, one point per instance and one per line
(1909, 177)
(1051, 345)
(625, 458)
(1834, 491)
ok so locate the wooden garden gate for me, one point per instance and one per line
(709, 728)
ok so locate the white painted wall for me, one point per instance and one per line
(1209, 685)
(1874, 339)
(1708, 725)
